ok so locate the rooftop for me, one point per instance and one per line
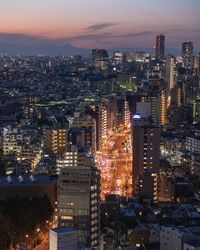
(60, 230)
(27, 180)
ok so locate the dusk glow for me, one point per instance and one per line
(105, 23)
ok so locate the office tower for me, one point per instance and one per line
(196, 64)
(103, 123)
(163, 109)
(160, 47)
(63, 238)
(170, 73)
(83, 137)
(12, 141)
(78, 202)
(126, 114)
(187, 55)
(55, 140)
(100, 59)
(199, 64)
(146, 147)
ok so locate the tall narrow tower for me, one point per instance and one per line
(187, 55)
(146, 148)
(78, 202)
(160, 47)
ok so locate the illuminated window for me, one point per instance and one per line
(64, 217)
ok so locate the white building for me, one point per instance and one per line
(172, 238)
(12, 141)
(170, 72)
(69, 159)
(193, 144)
(63, 238)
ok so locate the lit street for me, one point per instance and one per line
(115, 163)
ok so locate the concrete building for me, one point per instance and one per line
(187, 55)
(63, 238)
(78, 202)
(160, 47)
(103, 123)
(83, 132)
(55, 141)
(146, 147)
(163, 108)
(170, 73)
(173, 238)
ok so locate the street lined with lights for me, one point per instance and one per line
(116, 164)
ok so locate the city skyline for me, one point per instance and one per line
(128, 24)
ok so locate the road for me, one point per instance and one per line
(115, 163)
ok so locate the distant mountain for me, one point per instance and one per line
(14, 43)
(42, 49)
(67, 50)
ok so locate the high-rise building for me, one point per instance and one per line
(178, 96)
(163, 109)
(147, 186)
(69, 159)
(63, 238)
(160, 47)
(187, 55)
(55, 141)
(199, 64)
(103, 123)
(170, 73)
(146, 147)
(100, 59)
(78, 202)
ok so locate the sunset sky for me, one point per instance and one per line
(100, 23)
